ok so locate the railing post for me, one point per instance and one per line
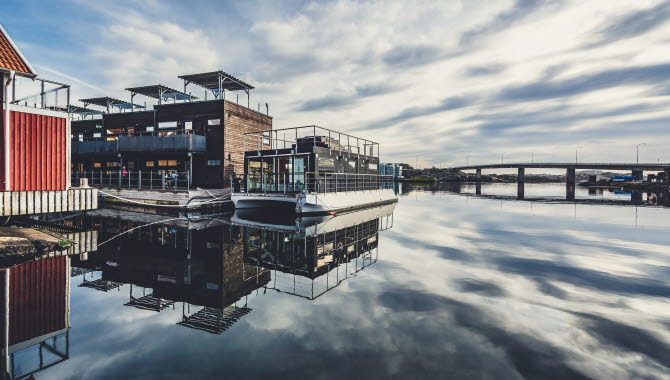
(284, 183)
(100, 178)
(130, 174)
(162, 173)
(151, 179)
(139, 179)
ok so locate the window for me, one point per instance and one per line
(113, 164)
(162, 162)
(372, 166)
(150, 163)
(167, 124)
(188, 125)
(167, 162)
(213, 162)
(150, 128)
(97, 134)
(214, 122)
(172, 162)
(97, 165)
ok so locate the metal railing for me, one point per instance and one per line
(310, 182)
(148, 180)
(316, 136)
(163, 132)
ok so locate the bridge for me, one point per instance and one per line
(637, 171)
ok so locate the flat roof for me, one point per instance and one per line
(158, 91)
(106, 101)
(214, 79)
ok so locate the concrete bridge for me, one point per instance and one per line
(637, 171)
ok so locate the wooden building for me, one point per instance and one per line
(202, 140)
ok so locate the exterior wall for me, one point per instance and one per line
(38, 154)
(239, 120)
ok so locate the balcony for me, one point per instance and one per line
(164, 141)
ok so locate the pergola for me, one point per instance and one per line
(160, 92)
(218, 82)
(107, 102)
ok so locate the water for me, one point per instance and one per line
(452, 286)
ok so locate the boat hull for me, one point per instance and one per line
(316, 203)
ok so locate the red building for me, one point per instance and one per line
(34, 142)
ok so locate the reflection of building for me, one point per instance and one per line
(36, 316)
(313, 255)
(199, 264)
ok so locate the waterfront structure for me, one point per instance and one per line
(35, 144)
(311, 170)
(637, 171)
(124, 144)
(391, 169)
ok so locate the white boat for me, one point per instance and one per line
(316, 171)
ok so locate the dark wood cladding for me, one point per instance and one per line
(189, 111)
(239, 120)
(37, 298)
(38, 155)
(127, 120)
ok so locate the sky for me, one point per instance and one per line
(438, 83)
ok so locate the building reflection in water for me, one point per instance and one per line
(207, 268)
(36, 316)
(313, 255)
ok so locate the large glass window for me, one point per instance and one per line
(299, 173)
(254, 175)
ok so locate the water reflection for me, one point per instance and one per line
(460, 286)
(36, 316)
(211, 265)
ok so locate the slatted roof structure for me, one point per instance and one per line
(214, 321)
(160, 92)
(218, 82)
(83, 111)
(11, 57)
(109, 103)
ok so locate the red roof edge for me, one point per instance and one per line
(31, 73)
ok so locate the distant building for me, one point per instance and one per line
(392, 169)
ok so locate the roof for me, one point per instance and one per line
(11, 57)
(158, 91)
(211, 81)
(106, 101)
(83, 110)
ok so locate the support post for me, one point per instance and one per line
(667, 176)
(520, 182)
(478, 188)
(479, 174)
(570, 178)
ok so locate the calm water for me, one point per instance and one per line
(448, 286)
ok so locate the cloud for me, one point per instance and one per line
(633, 24)
(411, 56)
(651, 74)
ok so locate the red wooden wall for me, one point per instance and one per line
(37, 152)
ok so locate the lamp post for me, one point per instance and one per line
(637, 152)
(577, 150)
(502, 159)
(467, 159)
(532, 156)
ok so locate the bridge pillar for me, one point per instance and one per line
(637, 174)
(479, 175)
(478, 188)
(636, 196)
(667, 176)
(570, 179)
(520, 181)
